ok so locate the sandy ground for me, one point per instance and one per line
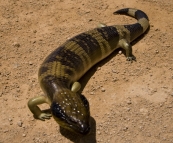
(129, 102)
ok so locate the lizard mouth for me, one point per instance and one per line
(85, 129)
(77, 127)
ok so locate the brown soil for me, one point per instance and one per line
(129, 102)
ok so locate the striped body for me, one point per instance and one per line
(76, 56)
(69, 62)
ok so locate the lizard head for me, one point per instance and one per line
(71, 111)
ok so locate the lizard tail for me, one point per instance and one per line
(138, 28)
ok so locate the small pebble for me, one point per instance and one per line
(92, 93)
(20, 123)
(172, 94)
(99, 68)
(30, 63)
(120, 52)
(88, 11)
(16, 44)
(35, 31)
(170, 106)
(143, 111)
(6, 130)
(129, 102)
(114, 71)
(128, 109)
(125, 129)
(103, 90)
(24, 135)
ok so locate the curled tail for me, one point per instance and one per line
(138, 28)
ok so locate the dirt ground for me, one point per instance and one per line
(129, 102)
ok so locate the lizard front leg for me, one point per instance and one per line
(32, 104)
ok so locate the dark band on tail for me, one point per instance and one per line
(138, 14)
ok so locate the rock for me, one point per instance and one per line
(120, 52)
(15, 44)
(103, 90)
(92, 93)
(172, 94)
(19, 123)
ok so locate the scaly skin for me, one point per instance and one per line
(60, 71)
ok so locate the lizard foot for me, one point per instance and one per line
(44, 116)
(132, 58)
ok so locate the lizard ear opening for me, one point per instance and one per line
(57, 111)
(85, 101)
(76, 87)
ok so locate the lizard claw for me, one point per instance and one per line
(132, 58)
(44, 116)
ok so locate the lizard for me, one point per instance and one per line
(59, 73)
